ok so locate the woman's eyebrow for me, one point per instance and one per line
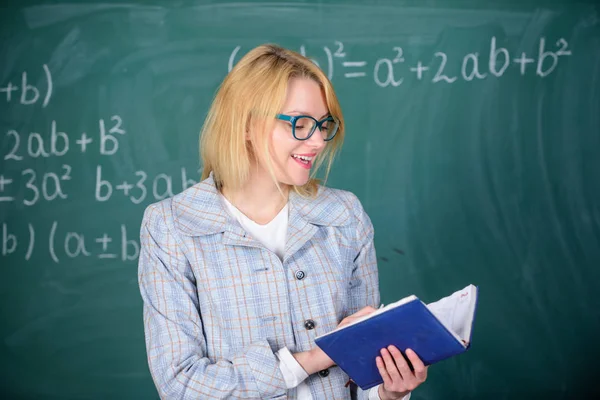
(307, 113)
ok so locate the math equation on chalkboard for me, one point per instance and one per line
(29, 186)
(34, 186)
(26, 180)
(61, 243)
(394, 68)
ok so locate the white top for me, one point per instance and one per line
(272, 236)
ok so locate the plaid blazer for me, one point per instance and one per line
(217, 304)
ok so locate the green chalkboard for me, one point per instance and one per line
(473, 142)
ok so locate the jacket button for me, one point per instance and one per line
(309, 324)
(300, 275)
(324, 373)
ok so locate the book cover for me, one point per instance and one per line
(408, 323)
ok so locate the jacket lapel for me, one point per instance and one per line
(299, 229)
(199, 211)
(308, 214)
(235, 235)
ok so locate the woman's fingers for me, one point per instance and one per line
(396, 370)
(360, 313)
(401, 363)
(390, 365)
(387, 380)
(418, 366)
(363, 311)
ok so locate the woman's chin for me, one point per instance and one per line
(297, 180)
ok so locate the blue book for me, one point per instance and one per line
(435, 331)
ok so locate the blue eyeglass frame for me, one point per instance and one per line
(318, 124)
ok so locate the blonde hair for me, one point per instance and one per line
(247, 101)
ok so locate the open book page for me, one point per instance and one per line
(456, 311)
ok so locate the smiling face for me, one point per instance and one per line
(244, 143)
(292, 158)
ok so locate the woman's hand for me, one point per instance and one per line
(398, 379)
(360, 313)
(316, 359)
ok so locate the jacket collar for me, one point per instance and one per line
(199, 211)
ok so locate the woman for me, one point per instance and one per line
(242, 271)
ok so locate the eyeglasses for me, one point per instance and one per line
(303, 126)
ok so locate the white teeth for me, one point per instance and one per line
(305, 158)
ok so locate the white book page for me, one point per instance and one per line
(456, 311)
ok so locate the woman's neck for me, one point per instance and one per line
(259, 198)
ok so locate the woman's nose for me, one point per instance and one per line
(316, 140)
